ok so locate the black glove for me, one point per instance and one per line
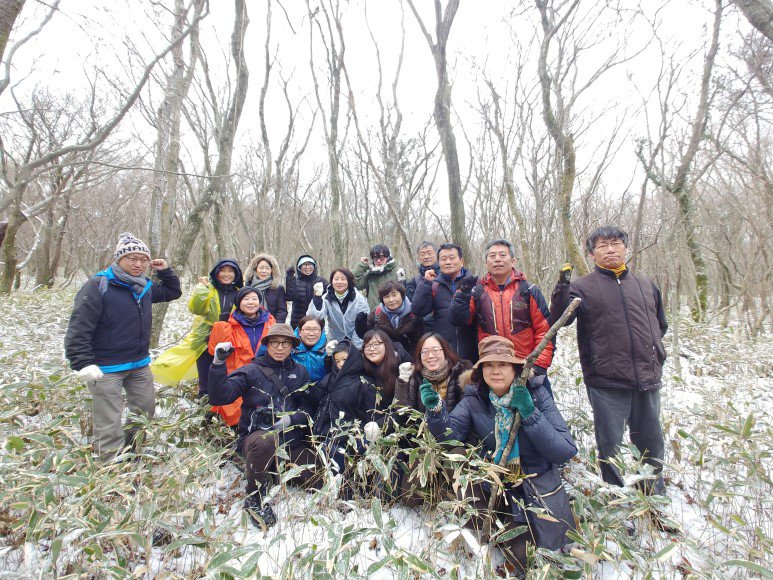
(290, 271)
(565, 274)
(223, 350)
(224, 316)
(467, 284)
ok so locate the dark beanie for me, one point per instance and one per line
(242, 293)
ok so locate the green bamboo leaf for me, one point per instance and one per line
(766, 573)
(376, 566)
(664, 552)
(748, 426)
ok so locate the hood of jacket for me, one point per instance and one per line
(353, 365)
(298, 268)
(238, 280)
(276, 277)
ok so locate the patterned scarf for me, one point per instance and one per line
(503, 421)
(137, 283)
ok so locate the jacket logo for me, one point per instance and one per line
(292, 376)
(519, 304)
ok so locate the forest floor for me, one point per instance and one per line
(176, 510)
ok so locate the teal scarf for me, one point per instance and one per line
(503, 421)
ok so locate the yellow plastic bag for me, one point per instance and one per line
(178, 363)
(204, 302)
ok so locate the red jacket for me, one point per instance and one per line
(233, 332)
(519, 312)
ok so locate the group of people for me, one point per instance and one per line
(371, 350)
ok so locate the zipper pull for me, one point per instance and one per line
(618, 281)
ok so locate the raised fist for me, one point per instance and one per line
(319, 288)
(405, 370)
(222, 351)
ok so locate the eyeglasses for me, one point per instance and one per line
(378, 257)
(435, 350)
(374, 345)
(311, 330)
(605, 245)
(280, 343)
(137, 259)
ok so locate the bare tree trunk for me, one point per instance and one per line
(759, 13)
(563, 139)
(9, 12)
(335, 61)
(168, 118)
(15, 221)
(218, 183)
(442, 114)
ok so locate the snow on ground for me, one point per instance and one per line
(177, 511)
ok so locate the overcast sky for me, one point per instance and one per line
(487, 39)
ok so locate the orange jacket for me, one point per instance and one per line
(234, 333)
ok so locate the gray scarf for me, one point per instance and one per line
(262, 286)
(137, 283)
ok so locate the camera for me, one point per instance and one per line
(262, 418)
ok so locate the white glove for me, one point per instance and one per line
(282, 423)
(318, 288)
(330, 347)
(401, 274)
(372, 431)
(222, 351)
(404, 371)
(90, 373)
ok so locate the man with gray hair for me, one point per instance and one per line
(620, 326)
(426, 256)
(504, 303)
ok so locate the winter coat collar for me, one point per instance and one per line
(108, 273)
(249, 273)
(446, 281)
(516, 277)
(610, 273)
(266, 361)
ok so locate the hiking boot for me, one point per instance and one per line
(262, 517)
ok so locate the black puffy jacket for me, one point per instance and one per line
(343, 396)
(299, 290)
(109, 325)
(252, 383)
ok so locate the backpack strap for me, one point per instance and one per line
(271, 376)
(524, 289)
(102, 286)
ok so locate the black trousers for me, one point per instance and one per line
(616, 409)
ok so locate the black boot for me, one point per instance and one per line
(262, 517)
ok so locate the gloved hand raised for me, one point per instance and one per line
(467, 284)
(404, 371)
(290, 271)
(90, 373)
(222, 351)
(565, 274)
(429, 396)
(372, 431)
(319, 288)
(520, 399)
(330, 347)
(401, 274)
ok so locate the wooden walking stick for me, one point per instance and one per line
(522, 380)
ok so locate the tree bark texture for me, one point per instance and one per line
(563, 139)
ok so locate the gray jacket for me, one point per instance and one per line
(340, 316)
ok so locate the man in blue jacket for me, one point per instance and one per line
(108, 339)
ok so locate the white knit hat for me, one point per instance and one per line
(128, 243)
